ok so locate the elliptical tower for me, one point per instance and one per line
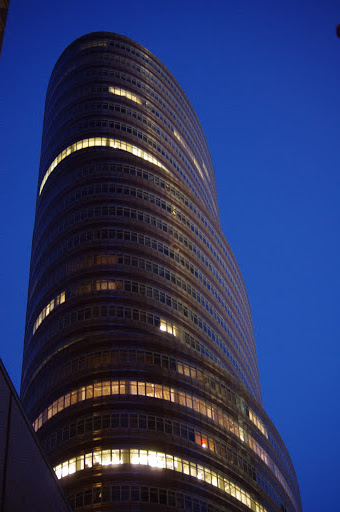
(140, 373)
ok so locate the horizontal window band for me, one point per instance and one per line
(159, 460)
(170, 394)
(100, 142)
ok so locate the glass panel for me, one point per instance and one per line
(72, 466)
(186, 469)
(88, 460)
(141, 388)
(166, 393)
(116, 457)
(106, 457)
(97, 457)
(200, 472)
(178, 464)
(97, 389)
(80, 463)
(150, 389)
(106, 388)
(169, 462)
(207, 475)
(89, 391)
(193, 469)
(143, 457)
(158, 391)
(134, 456)
(125, 456)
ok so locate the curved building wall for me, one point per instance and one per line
(140, 373)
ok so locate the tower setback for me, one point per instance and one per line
(140, 374)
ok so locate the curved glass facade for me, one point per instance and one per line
(140, 374)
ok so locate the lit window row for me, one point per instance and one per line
(100, 142)
(178, 137)
(88, 106)
(60, 299)
(149, 389)
(127, 94)
(108, 358)
(165, 326)
(150, 77)
(123, 76)
(149, 423)
(170, 394)
(256, 420)
(160, 460)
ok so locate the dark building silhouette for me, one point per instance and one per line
(26, 480)
(4, 5)
(140, 374)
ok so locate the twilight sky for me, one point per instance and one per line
(264, 80)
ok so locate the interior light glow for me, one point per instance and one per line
(100, 142)
(59, 299)
(256, 420)
(166, 393)
(178, 137)
(127, 94)
(168, 327)
(158, 460)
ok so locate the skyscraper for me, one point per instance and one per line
(140, 373)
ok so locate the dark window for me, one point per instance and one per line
(134, 493)
(115, 493)
(105, 494)
(153, 495)
(145, 494)
(142, 421)
(115, 420)
(97, 495)
(125, 493)
(88, 497)
(151, 423)
(97, 423)
(124, 420)
(106, 421)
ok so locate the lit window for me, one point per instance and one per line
(127, 94)
(157, 391)
(113, 457)
(178, 137)
(100, 142)
(60, 299)
(168, 327)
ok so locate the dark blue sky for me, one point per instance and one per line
(264, 79)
